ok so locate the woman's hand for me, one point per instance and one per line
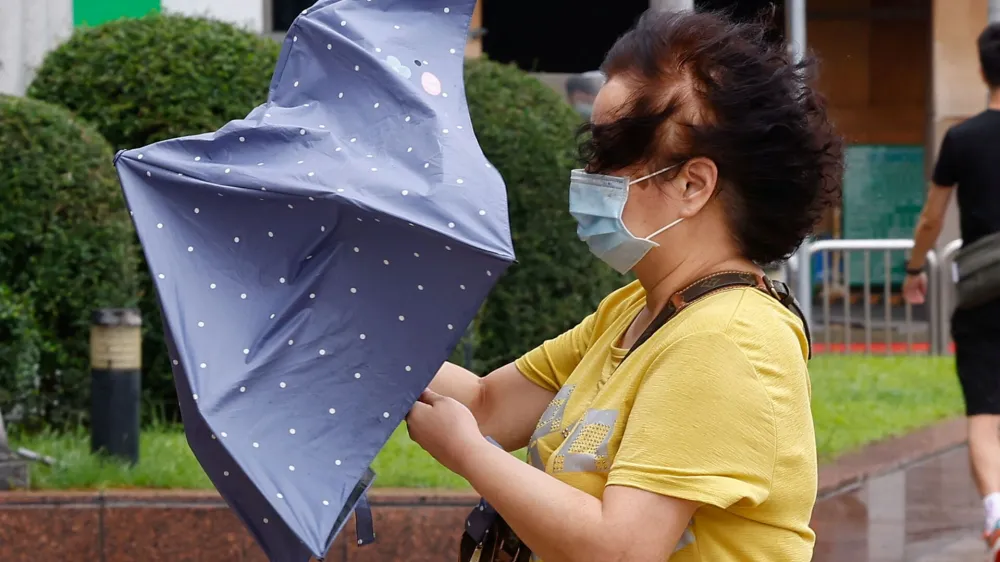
(446, 429)
(505, 403)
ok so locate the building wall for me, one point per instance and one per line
(875, 71)
(245, 13)
(30, 28)
(95, 12)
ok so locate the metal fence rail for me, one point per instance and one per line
(831, 252)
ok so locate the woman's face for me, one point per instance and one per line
(649, 206)
(681, 193)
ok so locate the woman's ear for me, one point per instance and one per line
(697, 182)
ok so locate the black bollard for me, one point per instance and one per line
(115, 382)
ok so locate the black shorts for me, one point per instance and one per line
(976, 332)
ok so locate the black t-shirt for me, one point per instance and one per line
(970, 160)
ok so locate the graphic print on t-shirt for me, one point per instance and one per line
(586, 449)
(549, 423)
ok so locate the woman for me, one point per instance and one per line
(699, 446)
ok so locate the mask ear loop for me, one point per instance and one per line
(656, 173)
(662, 230)
(646, 177)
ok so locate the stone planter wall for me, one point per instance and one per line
(412, 525)
(165, 526)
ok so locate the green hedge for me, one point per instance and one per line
(66, 247)
(158, 77)
(21, 345)
(527, 131)
(142, 80)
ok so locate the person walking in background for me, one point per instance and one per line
(969, 163)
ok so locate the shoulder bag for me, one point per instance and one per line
(977, 269)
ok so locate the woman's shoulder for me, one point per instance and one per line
(754, 321)
(741, 342)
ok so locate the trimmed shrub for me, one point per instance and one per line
(148, 79)
(528, 132)
(142, 80)
(20, 354)
(66, 247)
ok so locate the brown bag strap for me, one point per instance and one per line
(715, 283)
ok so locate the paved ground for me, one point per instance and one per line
(962, 550)
(929, 512)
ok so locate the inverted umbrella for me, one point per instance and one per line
(317, 261)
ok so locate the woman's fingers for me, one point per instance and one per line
(419, 408)
(430, 397)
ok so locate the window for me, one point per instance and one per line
(558, 36)
(279, 14)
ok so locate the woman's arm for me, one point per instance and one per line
(701, 431)
(459, 383)
(559, 522)
(506, 404)
(563, 524)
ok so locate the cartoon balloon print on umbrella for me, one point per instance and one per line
(394, 64)
(430, 83)
(314, 259)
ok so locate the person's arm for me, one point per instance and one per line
(943, 179)
(505, 403)
(459, 383)
(928, 227)
(563, 524)
(701, 431)
(557, 521)
(509, 401)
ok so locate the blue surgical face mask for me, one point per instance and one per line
(596, 202)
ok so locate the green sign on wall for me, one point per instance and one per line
(96, 12)
(884, 189)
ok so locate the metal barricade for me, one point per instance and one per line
(947, 278)
(802, 272)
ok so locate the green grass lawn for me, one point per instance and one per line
(856, 400)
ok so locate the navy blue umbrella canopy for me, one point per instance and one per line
(317, 261)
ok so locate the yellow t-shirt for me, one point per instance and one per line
(713, 408)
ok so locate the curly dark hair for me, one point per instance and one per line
(704, 86)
